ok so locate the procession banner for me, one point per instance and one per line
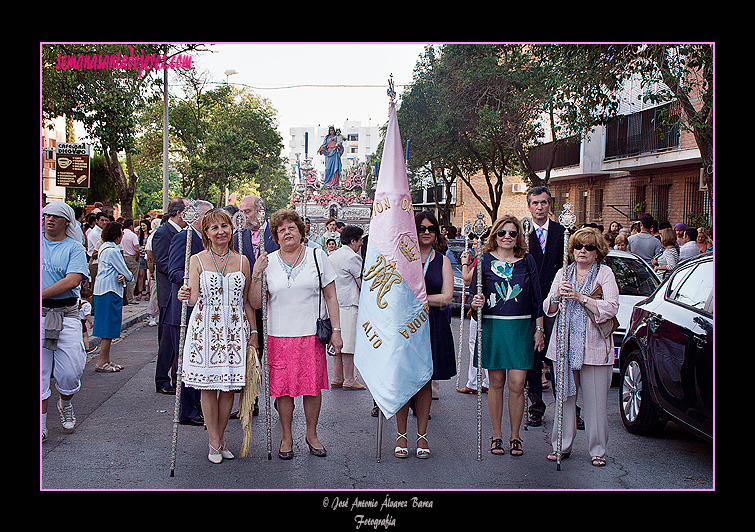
(392, 351)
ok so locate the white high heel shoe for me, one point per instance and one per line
(400, 452)
(215, 456)
(228, 455)
(422, 453)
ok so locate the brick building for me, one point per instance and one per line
(622, 170)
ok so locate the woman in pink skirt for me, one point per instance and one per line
(298, 364)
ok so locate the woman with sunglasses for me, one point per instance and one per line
(588, 356)
(511, 303)
(439, 284)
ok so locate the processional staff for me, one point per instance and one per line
(479, 229)
(526, 224)
(189, 215)
(466, 230)
(248, 392)
(567, 219)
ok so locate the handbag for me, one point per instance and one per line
(324, 328)
(607, 327)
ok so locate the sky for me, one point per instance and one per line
(272, 69)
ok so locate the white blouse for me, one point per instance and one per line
(292, 309)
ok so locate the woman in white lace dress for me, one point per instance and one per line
(217, 333)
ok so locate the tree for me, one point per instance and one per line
(225, 137)
(686, 73)
(422, 116)
(99, 85)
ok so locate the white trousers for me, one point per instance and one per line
(472, 371)
(595, 382)
(66, 363)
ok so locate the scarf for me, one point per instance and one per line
(576, 327)
(62, 209)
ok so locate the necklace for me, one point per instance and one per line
(223, 261)
(289, 267)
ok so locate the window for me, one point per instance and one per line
(692, 287)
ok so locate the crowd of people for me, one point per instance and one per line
(526, 292)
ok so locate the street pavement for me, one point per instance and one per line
(122, 441)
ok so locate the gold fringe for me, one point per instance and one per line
(247, 397)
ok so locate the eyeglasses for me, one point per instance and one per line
(588, 247)
(428, 228)
(513, 234)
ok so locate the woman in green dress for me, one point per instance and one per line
(512, 324)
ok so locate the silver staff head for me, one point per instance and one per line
(190, 214)
(239, 221)
(467, 229)
(480, 226)
(567, 217)
(526, 226)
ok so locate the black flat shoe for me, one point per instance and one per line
(316, 452)
(285, 455)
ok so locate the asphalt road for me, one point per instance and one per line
(123, 442)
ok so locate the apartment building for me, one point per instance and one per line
(362, 141)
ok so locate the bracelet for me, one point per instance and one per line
(556, 301)
(253, 332)
(258, 279)
(465, 264)
(538, 328)
(337, 329)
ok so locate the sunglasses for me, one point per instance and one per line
(428, 228)
(588, 247)
(513, 234)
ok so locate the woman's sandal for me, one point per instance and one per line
(515, 447)
(422, 452)
(107, 367)
(400, 452)
(598, 461)
(496, 446)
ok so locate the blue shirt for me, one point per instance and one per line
(111, 263)
(59, 258)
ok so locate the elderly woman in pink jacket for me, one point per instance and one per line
(588, 354)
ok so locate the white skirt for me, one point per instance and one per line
(348, 319)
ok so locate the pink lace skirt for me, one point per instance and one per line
(298, 366)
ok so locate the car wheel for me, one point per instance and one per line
(636, 407)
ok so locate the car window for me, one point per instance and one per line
(633, 277)
(695, 288)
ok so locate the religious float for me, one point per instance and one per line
(342, 195)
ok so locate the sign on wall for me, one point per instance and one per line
(72, 165)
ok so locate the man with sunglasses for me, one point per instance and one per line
(546, 245)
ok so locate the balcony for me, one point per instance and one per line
(650, 131)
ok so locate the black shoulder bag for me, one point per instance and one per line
(324, 328)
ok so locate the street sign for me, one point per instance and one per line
(72, 165)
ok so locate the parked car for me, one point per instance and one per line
(636, 281)
(666, 357)
(456, 247)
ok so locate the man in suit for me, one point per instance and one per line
(257, 239)
(160, 254)
(191, 409)
(546, 245)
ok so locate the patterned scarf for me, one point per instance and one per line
(576, 327)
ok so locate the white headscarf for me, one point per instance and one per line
(62, 209)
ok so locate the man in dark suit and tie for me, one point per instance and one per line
(257, 238)
(160, 251)
(546, 245)
(191, 409)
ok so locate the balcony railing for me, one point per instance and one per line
(567, 154)
(649, 131)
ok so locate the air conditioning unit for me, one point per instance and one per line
(702, 185)
(518, 188)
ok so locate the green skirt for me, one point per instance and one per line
(507, 343)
